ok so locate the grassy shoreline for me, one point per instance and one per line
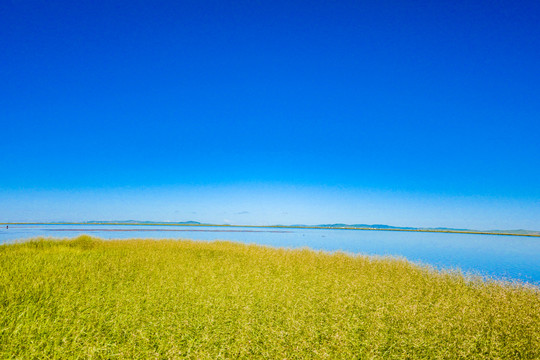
(90, 298)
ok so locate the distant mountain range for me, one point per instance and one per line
(439, 229)
(327, 226)
(331, 226)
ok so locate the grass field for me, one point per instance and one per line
(87, 298)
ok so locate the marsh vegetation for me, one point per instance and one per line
(88, 298)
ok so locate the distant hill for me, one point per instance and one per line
(366, 226)
(389, 227)
(328, 226)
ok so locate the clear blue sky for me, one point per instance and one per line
(422, 113)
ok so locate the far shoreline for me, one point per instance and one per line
(445, 231)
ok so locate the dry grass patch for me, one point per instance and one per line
(88, 298)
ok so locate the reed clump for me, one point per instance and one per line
(161, 299)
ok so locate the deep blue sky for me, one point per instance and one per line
(408, 113)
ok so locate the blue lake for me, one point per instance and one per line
(503, 257)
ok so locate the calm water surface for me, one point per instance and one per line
(506, 257)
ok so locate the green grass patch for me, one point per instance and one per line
(88, 298)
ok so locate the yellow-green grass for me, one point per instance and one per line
(88, 298)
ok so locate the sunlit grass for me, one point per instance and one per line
(87, 298)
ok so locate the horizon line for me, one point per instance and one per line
(321, 226)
